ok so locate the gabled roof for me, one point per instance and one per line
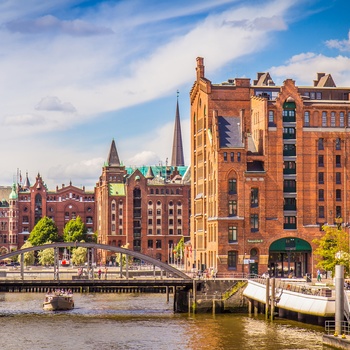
(324, 80)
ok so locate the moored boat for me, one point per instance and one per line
(58, 301)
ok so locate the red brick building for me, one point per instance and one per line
(145, 208)
(269, 167)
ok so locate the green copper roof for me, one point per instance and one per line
(13, 194)
(160, 170)
(116, 189)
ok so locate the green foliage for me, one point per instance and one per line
(29, 257)
(46, 256)
(179, 249)
(74, 231)
(333, 249)
(45, 230)
(122, 261)
(79, 256)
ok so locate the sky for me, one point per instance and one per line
(74, 75)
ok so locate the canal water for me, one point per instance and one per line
(140, 321)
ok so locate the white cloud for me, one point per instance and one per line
(298, 68)
(342, 45)
(52, 24)
(53, 103)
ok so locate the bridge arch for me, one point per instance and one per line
(146, 258)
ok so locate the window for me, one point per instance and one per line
(349, 119)
(321, 211)
(290, 222)
(179, 231)
(225, 156)
(254, 197)
(306, 118)
(312, 95)
(337, 144)
(158, 244)
(338, 178)
(338, 195)
(271, 118)
(150, 244)
(150, 232)
(320, 161)
(254, 222)
(158, 231)
(232, 259)
(171, 211)
(319, 95)
(320, 144)
(171, 231)
(232, 234)
(238, 156)
(341, 119)
(321, 195)
(324, 118)
(333, 119)
(232, 208)
(158, 222)
(179, 222)
(232, 156)
(338, 161)
(171, 221)
(338, 212)
(321, 178)
(150, 222)
(232, 186)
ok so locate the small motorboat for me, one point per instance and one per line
(58, 301)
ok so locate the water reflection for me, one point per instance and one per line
(140, 321)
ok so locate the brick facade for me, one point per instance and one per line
(269, 168)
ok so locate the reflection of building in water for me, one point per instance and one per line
(268, 169)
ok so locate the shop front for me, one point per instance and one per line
(289, 257)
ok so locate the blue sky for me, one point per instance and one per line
(76, 74)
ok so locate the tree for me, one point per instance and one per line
(122, 261)
(45, 230)
(179, 249)
(79, 256)
(47, 256)
(29, 257)
(74, 231)
(333, 249)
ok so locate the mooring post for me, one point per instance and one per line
(194, 304)
(267, 298)
(339, 298)
(273, 295)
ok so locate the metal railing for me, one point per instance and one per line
(330, 327)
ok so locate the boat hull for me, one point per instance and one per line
(58, 302)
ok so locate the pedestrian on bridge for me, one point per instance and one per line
(99, 274)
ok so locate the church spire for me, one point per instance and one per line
(113, 158)
(177, 158)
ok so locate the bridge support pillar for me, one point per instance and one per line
(167, 294)
(22, 266)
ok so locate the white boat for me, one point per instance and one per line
(58, 301)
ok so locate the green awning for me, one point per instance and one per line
(290, 243)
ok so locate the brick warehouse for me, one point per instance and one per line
(145, 208)
(269, 167)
